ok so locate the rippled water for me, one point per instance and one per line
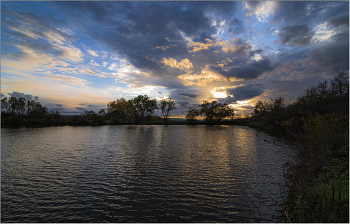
(140, 174)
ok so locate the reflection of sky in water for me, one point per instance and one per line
(141, 173)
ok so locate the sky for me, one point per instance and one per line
(76, 56)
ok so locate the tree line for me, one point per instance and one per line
(135, 110)
(316, 124)
(138, 109)
(15, 109)
(327, 97)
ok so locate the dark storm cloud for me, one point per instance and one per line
(331, 58)
(247, 107)
(183, 103)
(297, 12)
(250, 71)
(246, 92)
(190, 95)
(151, 18)
(243, 93)
(295, 35)
(339, 21)
(185, 92)
(80, 108)
(325, 60)
(237, 26)
(85, 104)
(134, 28)
(252, 53)
(54, 105)
(18, 95)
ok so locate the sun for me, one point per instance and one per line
(219, 94)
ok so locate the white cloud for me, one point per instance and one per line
(257, 57)
(94, 63)
(69, 52)
(262, 11)
(113, 66)
(323, 33)
(104, 54)
(66, 31)
(90, 72)
(92, 52)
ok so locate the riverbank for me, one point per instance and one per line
(318, 183)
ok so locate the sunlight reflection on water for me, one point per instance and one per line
(140, 174)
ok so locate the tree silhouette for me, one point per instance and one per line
(167, 105)
(140, 106)
(214, 111)
(192, 113)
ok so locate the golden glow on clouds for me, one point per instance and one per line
(206, 76)
(53, 37)
(227, 46)
(197, 46)
(225, 62)
(200, 80)
(70, 80)
(53, 89)
(72, 53)
(234, 79)
(240, 104)
(184, 64)
(164, 47)
(244, 102)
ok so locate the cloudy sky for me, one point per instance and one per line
(75, 56)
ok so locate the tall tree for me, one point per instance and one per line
(140, 106)
(167, 105)
(214, 111)
(117, 108)
(5, 106)
(192, 113)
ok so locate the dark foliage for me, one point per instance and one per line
(317, 125)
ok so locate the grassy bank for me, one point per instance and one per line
(318, 182)
(318, 178)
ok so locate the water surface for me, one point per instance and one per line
(140, 174)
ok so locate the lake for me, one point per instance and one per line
(140, 173)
